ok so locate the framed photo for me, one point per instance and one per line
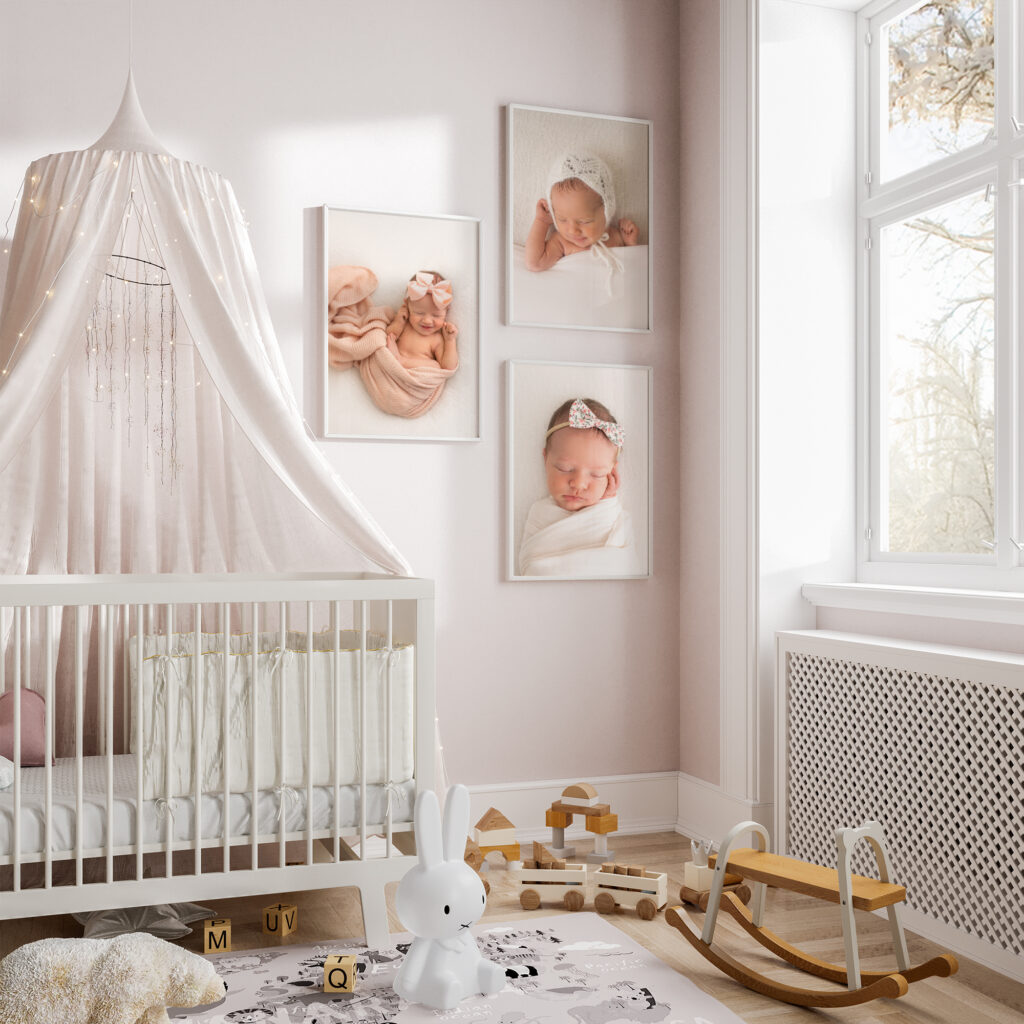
(398, 304)
(579, 220)
(579, 471)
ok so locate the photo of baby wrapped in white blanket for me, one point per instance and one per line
(578, 220)
(579, 475)
(401, 326)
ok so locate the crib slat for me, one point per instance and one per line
(48, 674)
(226, 730)
(362, 729)
(309, 732)
(140, 739)
(108, 680)
(19, 614)
(281, 745)
(79, 738)
(254, 742)
(336, 644)
(388, 775)
(197, 737)
(170, 699)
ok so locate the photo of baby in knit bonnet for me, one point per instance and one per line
(579, 220)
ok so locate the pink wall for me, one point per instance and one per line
(700, 331)
(398, 106)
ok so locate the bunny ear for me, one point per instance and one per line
(427, 817)
(456, 823)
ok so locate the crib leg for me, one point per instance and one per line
(375, 915)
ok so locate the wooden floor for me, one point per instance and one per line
(974, 996)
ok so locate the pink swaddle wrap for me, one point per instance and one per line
(357, 338)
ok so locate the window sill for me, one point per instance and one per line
(935, 602)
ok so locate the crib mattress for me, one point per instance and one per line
(270, 806)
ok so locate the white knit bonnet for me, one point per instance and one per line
(592, 171)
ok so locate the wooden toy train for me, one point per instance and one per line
(548, 879)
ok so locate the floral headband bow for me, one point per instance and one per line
(424, 284)
(581, 417)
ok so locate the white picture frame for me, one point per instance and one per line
(395, 246)
(535, 390)
(581, 291)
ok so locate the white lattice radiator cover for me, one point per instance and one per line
(928, 740)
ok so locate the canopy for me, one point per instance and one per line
(147, 423)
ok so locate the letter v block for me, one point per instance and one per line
(281, 919)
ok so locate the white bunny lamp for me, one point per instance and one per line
(439, 900)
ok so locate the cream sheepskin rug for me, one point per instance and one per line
(131, 979)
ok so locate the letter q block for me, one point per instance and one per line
(340, 973)
(281, 919)
(217, 935)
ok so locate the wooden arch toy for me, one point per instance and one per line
(848, 890)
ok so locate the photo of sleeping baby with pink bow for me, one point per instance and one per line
(404, 358)
(400, 340)
(582, 526)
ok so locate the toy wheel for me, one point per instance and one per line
(573, 901)
(703, 900)
(604, 903)
(743, 893)
(646, 910)
(529, 899)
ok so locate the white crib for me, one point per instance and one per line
(214, 736)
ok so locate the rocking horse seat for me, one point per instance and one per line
(810, 879)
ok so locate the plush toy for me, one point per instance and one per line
(131, 979)
(438, 901)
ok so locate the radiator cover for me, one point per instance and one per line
(929, 741)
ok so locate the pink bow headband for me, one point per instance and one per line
(424, 284)
(581, 417)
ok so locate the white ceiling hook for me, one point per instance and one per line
(1018, 126)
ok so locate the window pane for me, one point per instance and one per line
(941, 82)
(938, 388)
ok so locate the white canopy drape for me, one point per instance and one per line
(181, 447)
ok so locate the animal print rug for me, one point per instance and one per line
(575, 968)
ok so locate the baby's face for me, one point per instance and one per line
(578, 214)
(425, 315)
(580, 467)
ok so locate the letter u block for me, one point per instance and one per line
(281, 919)
(340, 973)
(217, 935)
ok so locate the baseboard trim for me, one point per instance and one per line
(707, 812)
(645, 802)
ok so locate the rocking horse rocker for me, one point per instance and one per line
(849, 891)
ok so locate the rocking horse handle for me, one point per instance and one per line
(718, 882)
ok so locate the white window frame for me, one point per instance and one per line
(999, 161)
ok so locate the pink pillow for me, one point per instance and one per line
(33, 727)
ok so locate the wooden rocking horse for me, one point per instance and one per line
(851, 892)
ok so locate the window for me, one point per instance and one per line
(942, 151)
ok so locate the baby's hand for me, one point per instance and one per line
(449, 331)
(543, 214)
(630, 234)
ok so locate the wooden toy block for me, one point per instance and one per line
(556, 819)
(590, 810)
(582, 793)
(697, 878)
(603, 824)
(340, 973)
(217, 935)
(280, 919)
(472, 856)
(494, 830)
(510, 852)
